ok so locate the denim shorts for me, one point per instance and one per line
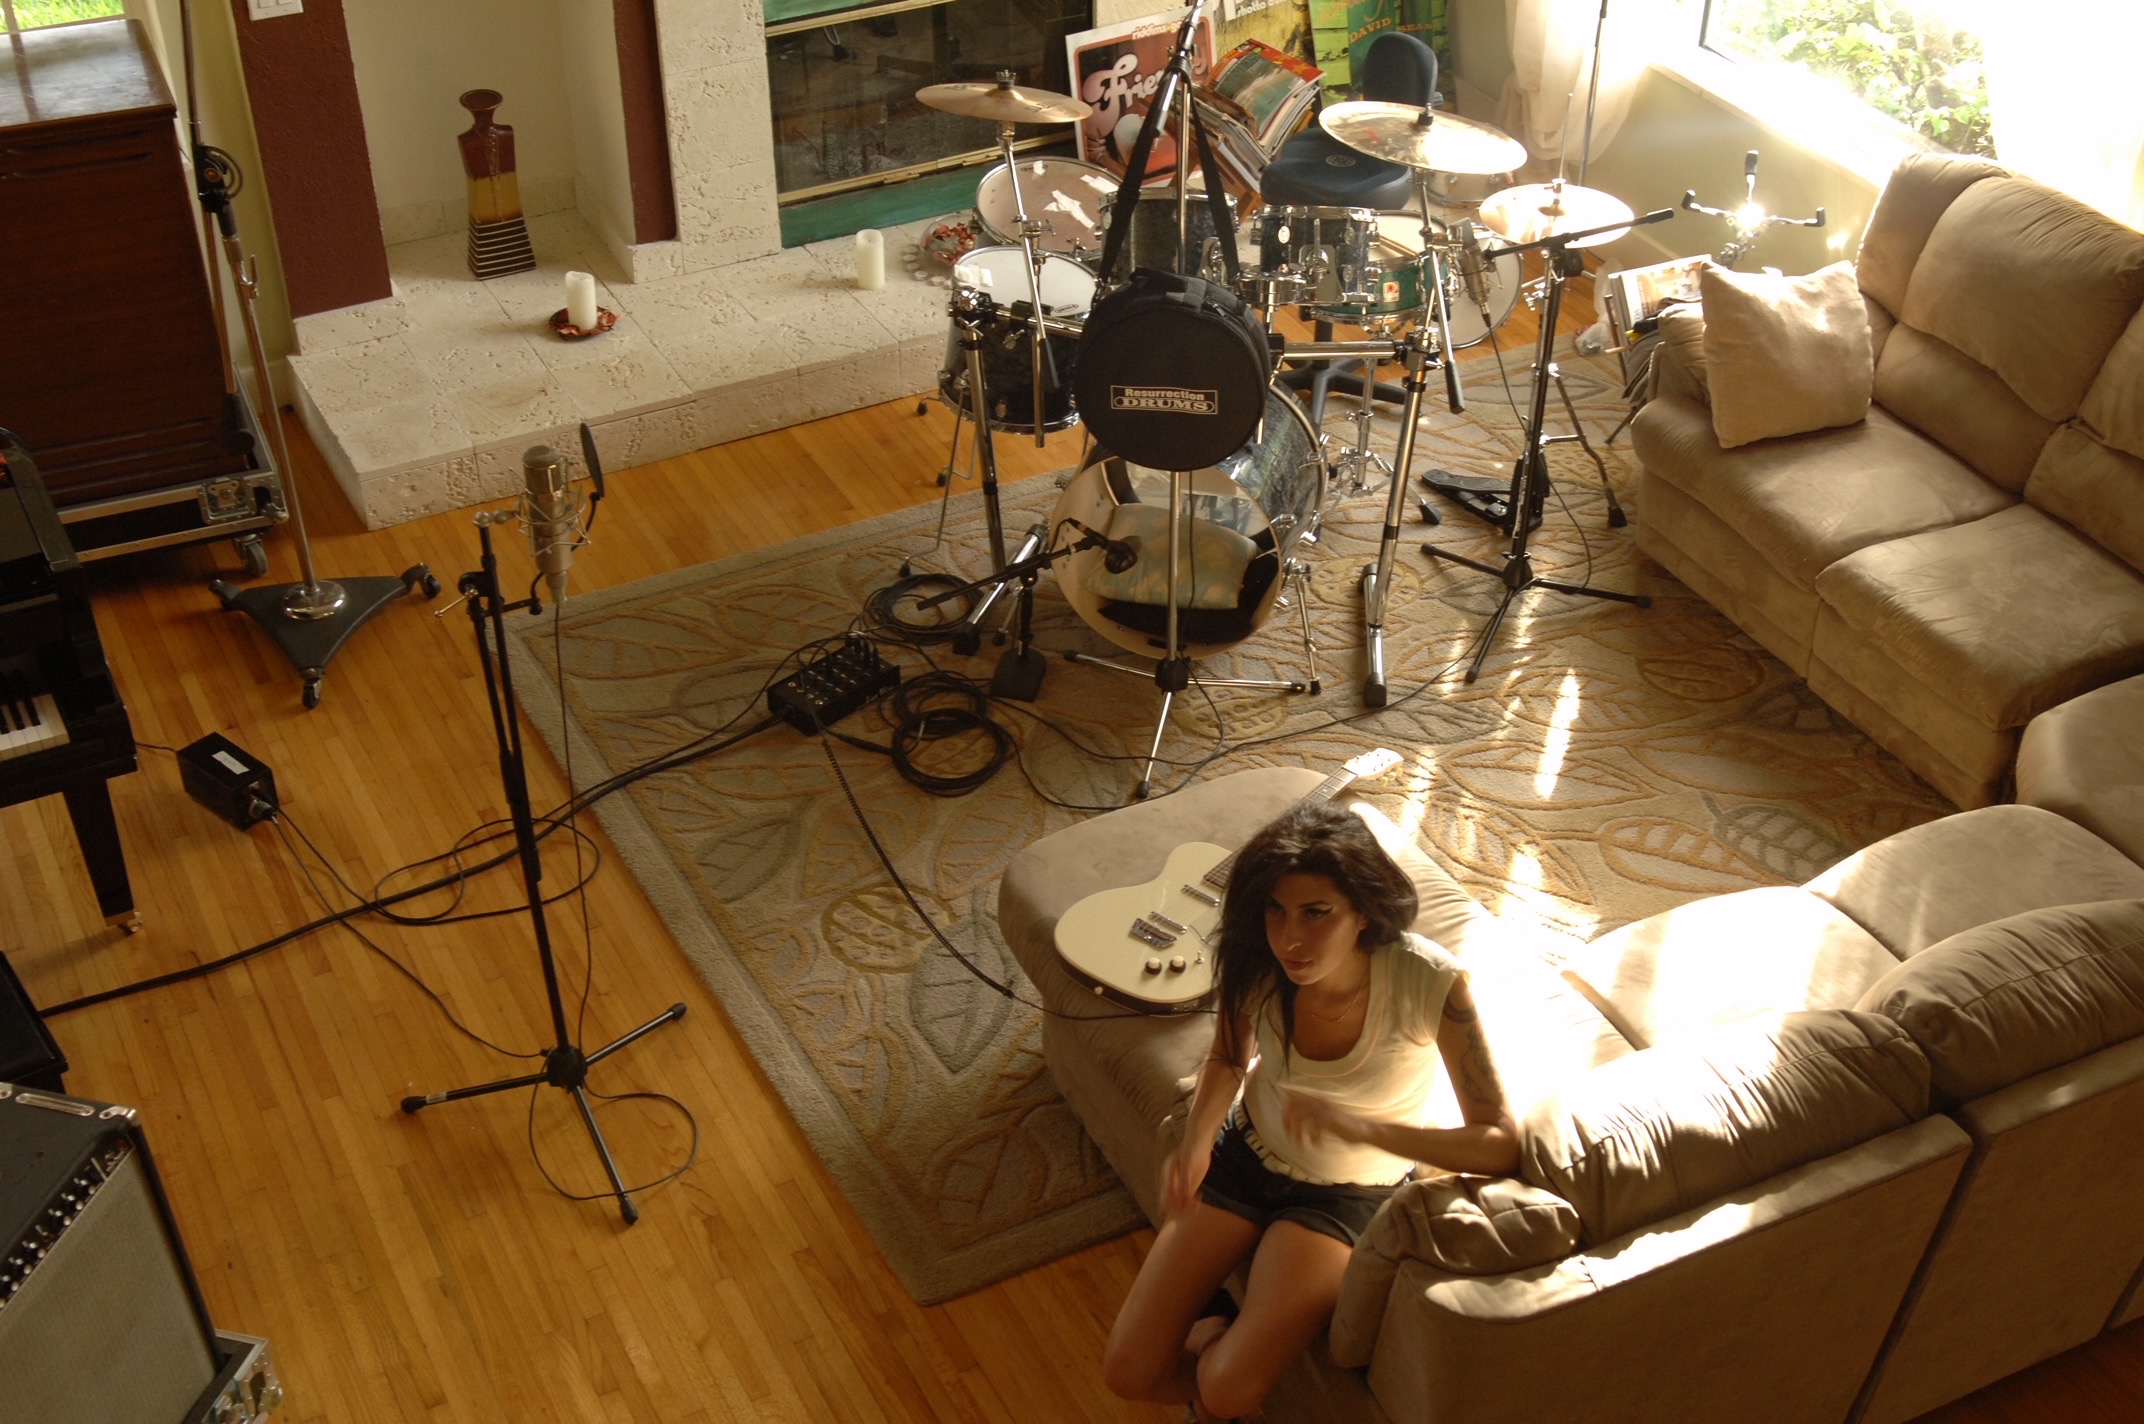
(1239, 1181)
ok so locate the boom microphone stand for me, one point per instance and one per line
(564, 1064)
(1529, 473)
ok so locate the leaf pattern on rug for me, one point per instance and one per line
(1610, 763)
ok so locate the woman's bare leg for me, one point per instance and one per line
(1193, 1253)
(1294, 1285)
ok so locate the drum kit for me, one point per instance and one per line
(1024, 346)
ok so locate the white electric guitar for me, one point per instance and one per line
(1152, 946)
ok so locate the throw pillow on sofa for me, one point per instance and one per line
(1995, 1004)
(1675, 1125)
(1785, 355)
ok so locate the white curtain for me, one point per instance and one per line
(1552, 64)
(2063, 99)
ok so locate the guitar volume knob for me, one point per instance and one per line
(1153, 966)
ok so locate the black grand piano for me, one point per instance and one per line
(63, 729)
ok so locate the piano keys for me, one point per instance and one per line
(63, 727)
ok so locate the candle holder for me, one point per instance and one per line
(605, 320)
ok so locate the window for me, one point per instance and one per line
(40, 14)
(1909, 60)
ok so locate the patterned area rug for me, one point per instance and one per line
(1610, 763)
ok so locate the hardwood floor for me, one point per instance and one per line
(418, 1268)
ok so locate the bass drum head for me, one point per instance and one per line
(1270, 491)
(1063, 194)
(1504, 275)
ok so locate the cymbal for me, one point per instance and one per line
(1004, 103)
(1423, 138)
(1538, 210)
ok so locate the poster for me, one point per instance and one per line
(1341, 31)
(1116, 69)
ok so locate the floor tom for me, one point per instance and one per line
(1067, 291)
(1396, 284)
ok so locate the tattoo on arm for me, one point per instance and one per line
(1474, 1080)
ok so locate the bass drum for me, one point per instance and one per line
(1066, 196)
(1269, 493)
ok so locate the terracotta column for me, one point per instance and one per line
(302, 85)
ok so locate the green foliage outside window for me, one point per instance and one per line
(1912, 67)
(36, 14)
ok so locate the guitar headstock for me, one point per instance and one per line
(1373, 764)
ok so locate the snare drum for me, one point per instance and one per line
(1396, 284)
(1001, 273)
(1066, 196)
(1153, 235)
(1328, 249)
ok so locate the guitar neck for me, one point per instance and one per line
(1325, 790)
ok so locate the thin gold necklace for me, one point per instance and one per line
(1344, 1008)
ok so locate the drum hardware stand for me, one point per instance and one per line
(1530, 471)
(310, 620)
(1365, 468)
(1019, 672)
(565, 1065)
(1377, 577)
(1171, 672)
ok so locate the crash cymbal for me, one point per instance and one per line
(1423, 138)
(1538, 210)
(1004, 103)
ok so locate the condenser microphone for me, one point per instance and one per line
(1472, 270)
(1117, 556)
(551, 512)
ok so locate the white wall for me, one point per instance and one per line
(588, 44)
(414, 58)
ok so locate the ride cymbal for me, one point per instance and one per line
(1423, 138)
(1538, 210)
(1004, 103)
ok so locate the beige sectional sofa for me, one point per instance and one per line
(1972, 554)
(1839, 1151)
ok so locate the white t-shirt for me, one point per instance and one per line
(1388, 1076)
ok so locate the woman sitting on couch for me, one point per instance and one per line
(1334, 1022)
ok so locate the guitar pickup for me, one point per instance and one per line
(1197, 894)
(1151, 934)
(1172, 926)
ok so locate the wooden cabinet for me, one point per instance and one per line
(110, 371)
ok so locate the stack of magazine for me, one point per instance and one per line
(1258, 97)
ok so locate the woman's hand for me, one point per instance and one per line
(1182, 1173)
(1310, 1120)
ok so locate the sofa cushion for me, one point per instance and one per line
(1809, 500)
(1784, 355)
(1724, 958)
(2032, 284)
(2003, 1001)
(2084, 761)
(1678, 1124)
(1923, 885)
(2093, 487)
(1474, 1226)
(2006, 616)
(2114, 407)
(1918, 193)
(1959, 403)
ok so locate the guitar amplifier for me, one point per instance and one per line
(101, 1319)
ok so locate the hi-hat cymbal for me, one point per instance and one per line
(1538, 210)
(1005, 103)
(1423, 138)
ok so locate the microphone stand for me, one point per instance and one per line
(565, 1066)
(1529, 474)
(312, 619)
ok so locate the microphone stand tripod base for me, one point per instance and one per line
(311, 622)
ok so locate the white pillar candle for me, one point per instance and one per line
(581, 300)
(870, 259)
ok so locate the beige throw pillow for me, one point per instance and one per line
(1785, 355)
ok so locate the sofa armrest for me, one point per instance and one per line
(1768, 1303)
(1678, 367)
(2084, 760)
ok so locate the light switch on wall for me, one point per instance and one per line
(270, 9)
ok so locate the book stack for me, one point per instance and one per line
(499, 248)
(1259, 96)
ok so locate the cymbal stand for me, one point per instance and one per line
(973, 310)
(1358, 466)
(1529, 473)
(1172, 672)
(564, 1064)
